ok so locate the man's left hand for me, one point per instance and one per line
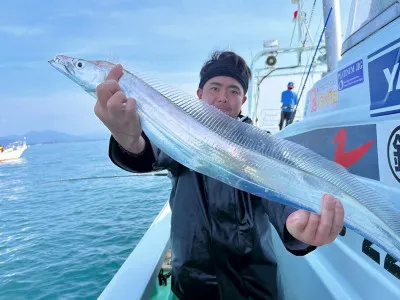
(314, 229)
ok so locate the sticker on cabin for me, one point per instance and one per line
(384, 80)
(324, 96)
(351, 75)
(354, 147)
(393, 152)
(313, 100)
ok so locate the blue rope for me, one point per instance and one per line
(309, 70)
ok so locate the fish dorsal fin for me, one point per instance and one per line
(206, 114)
(275, 148)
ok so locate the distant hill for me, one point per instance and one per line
(51, 137)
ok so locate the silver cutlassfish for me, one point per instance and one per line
(206, 140)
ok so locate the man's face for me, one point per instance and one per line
(225, 93)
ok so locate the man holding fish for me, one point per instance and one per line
(220, 236)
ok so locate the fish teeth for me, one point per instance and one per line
(59, 61)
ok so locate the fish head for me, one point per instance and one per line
(88, 74)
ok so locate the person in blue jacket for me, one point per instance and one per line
(288, 100)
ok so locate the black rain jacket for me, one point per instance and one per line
(220, 236)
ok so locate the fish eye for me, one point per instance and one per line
(79, 64)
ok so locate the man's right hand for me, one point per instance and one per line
(119, 113)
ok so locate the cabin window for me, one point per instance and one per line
(367, 17)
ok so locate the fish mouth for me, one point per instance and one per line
(62, 64)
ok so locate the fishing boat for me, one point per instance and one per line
(351, 115)
(13, 150)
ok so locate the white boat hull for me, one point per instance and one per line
(10, 154)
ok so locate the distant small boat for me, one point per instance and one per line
(13, 150)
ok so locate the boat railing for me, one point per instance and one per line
(15, 145)
(268, 119)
